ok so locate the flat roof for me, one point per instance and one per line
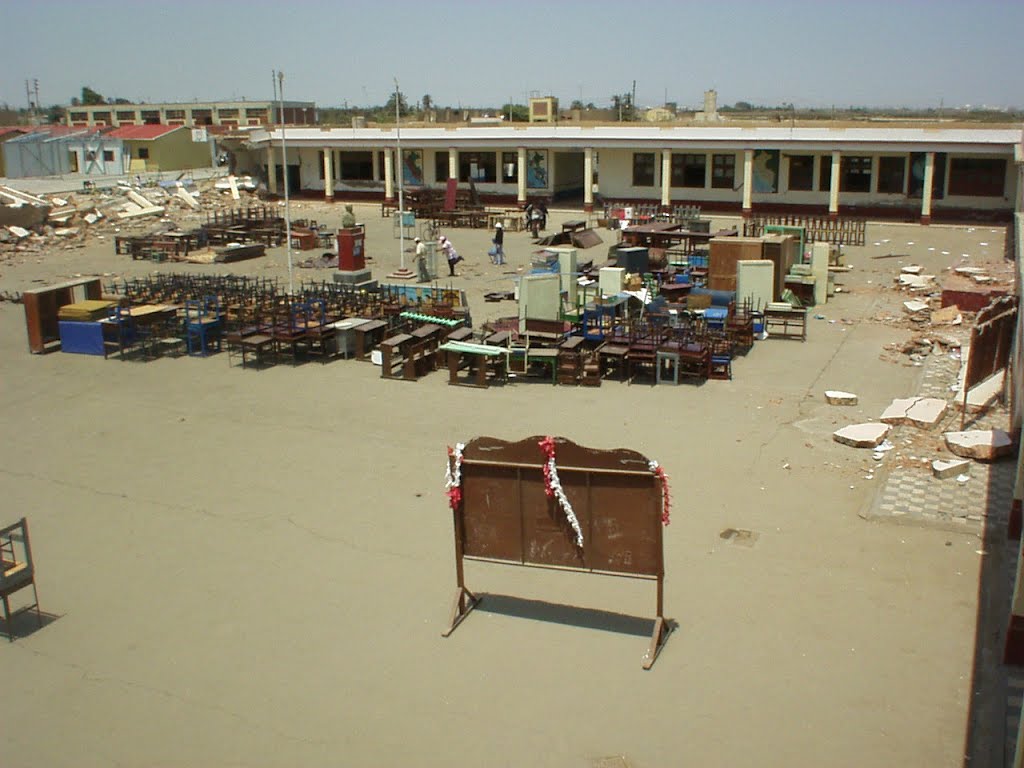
(985, 140)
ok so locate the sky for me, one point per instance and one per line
(915, 53)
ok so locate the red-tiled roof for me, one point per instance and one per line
(142, 132)
(5, 129)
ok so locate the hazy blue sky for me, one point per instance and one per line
(870, 53)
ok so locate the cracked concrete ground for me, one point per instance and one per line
(254, 568)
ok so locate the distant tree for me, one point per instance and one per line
(426, 102)
(742, 106)
(516, 113)
(624, 104)
(576, 104)
(119, 100)
(389, 106)
(89, 96)
(55, 114)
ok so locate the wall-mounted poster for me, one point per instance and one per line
(412, 167)
(536, 169)
(766, 170)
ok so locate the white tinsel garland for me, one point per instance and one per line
(563, 501)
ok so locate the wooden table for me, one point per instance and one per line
(478, 359)
(786, 323)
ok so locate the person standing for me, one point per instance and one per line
(499, 244)
(421, 260)
(449, 253)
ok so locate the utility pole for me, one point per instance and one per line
(401, 177)
(28, 99)
(632, 102)
(284, 164)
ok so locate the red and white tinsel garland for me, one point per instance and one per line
(553, 487)
(453, 475)
(666, 507)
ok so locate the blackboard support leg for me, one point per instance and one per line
(463, 602)
(658, 638)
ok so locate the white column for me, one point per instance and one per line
(376, 167)
(453, 163)
(926, 193)
(521, 175)
(666, 177)
(271, 170)
(329, 173)
(748, 180)
(588, 179)
(833, 187)
(389, 175)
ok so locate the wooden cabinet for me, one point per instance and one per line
(41, 306)
(724, 253)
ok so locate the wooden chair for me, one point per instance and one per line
(17, 571)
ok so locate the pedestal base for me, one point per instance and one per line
(402, 274)
(351, 277)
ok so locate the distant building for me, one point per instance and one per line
(163, 147)
(659, 115)
(7, 133)
(59, 150)
(543, 109)
(710, 112)
(193, 114)
(887, 172)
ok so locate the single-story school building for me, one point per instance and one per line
(906, 173)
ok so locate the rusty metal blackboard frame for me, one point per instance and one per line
(505, 517)
(991, 345)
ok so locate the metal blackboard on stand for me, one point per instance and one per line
(550, 503)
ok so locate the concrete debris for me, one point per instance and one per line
(837, 397)
(983, 394)
(18, 231)
(947, 316)
(915, 282)
(914, 306)
(189, 199)
(913, 269)
(946, 468)
(922, 412)
(980, 444)
(862, 435)
(139, 200)
(65, 231)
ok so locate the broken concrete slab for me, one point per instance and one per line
(946, 468)
(947, 316)
(912, 269)
(18, 232)
(981, 444)
(838, 397)
(914, 306)
(983, 394)
(138, 212)
(922, 412)
(185, 195)
(233, 186)
(139, 200)
(867, 435)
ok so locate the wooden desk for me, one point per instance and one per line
(786, 323)
(574, 225)
(368, 336)
(394, 349)
(483, 363)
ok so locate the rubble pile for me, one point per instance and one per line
(30, 224)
